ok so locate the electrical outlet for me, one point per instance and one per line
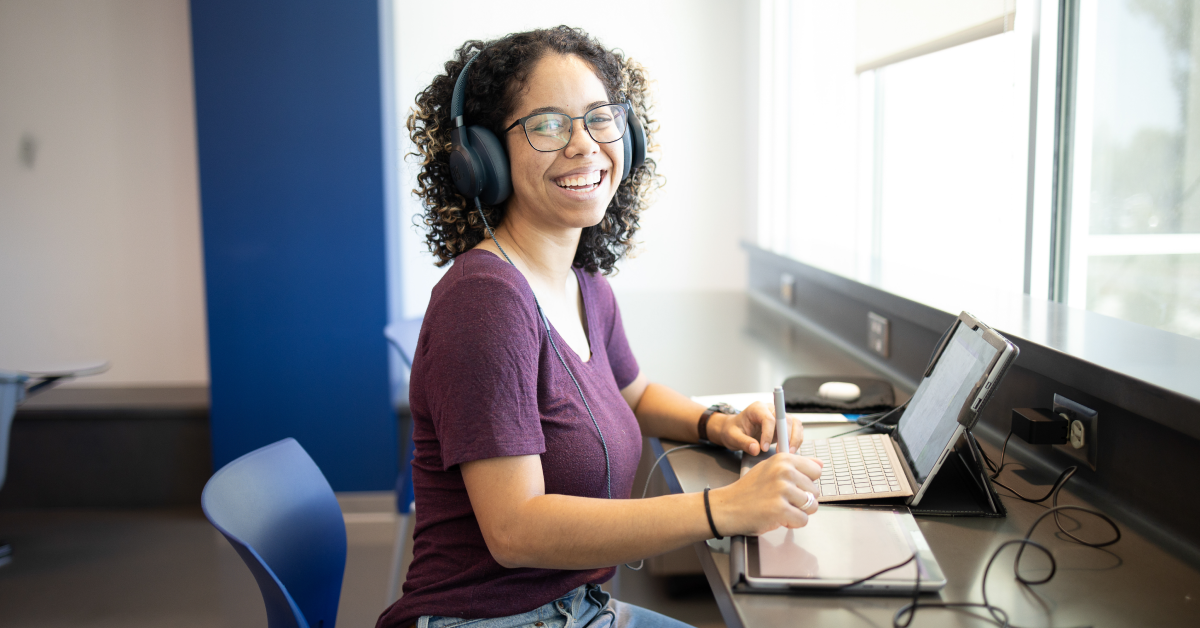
(878, 333)
(787, 288)
(1083, 429)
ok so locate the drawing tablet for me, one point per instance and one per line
(841, 545)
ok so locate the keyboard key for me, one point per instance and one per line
(863, 490)
(846, 490)
(881, 488)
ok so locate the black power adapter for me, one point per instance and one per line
(1040, 426)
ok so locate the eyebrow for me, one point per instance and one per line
(561, 110)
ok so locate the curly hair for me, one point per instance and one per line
(497, 76)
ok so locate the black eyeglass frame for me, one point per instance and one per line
(571, 127)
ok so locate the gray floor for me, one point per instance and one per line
(131, 568)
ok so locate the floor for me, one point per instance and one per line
(132, 568)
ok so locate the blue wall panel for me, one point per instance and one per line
(290, 142)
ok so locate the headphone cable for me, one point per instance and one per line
(546, 324)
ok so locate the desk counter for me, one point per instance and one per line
(1132, 583)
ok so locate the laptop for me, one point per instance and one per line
(967, 367)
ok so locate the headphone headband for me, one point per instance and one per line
(460, 90)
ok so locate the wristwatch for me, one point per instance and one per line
(702, 426)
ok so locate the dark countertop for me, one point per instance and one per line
(1132, 583)
(125, 398)
(704, 343)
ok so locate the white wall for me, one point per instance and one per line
(100, 252)
(696, 52)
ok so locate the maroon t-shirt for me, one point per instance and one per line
(486, 383)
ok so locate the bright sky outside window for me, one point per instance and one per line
(1135, 209)
(911, 176)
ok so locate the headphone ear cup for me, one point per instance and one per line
(627, 146)
(464, 170)
(635, 145)
(493, 165)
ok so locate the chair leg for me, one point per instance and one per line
(404, 532)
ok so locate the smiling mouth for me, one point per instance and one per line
(581, 182)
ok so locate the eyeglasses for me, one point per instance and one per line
(548, 132)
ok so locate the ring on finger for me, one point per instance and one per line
(812, 501)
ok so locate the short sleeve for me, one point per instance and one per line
(480, 370)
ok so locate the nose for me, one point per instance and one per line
(581, 142)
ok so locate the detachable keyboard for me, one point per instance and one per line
(858, 467)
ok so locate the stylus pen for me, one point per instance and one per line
(781, 425)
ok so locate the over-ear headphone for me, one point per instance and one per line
(479, 165)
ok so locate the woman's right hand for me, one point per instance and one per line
(770, 495)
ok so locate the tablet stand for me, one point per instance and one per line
(962, 487)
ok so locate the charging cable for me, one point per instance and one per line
(998, 616)
(873, 419)
(649, 476)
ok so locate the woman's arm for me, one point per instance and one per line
(664, 413)
(525, 527)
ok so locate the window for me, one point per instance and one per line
(1045, 148)
(1134, 210)
(896, 152)
(948, 171)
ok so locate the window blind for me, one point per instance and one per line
(890, 31)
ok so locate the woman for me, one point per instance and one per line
(528, 433)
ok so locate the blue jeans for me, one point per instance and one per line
(584, 607)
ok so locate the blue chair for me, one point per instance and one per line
(403, 338)
(278, 511)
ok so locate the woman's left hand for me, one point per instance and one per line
(753, 430)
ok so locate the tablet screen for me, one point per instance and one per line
(932, 416)
(838, 544)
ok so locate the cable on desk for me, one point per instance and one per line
(1052, 495)
(1003, 452)
(996, 469)
(1058, 483)
(873, 420)
(650, 476)
(999, 616)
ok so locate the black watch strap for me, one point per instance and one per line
(702, 426)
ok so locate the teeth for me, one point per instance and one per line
(580, 180)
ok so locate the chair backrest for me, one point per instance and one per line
(403, 336)
(278, 511)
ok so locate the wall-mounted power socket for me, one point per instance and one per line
(1083, 430)
(787, 288)
(878, 333)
